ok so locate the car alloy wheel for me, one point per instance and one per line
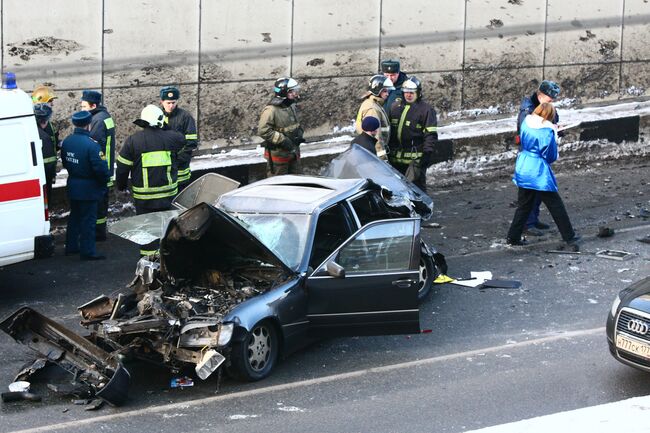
(260, 348)
(426, 276)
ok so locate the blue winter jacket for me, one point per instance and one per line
(87, 169)
(538, 152)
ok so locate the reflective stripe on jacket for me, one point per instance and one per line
(182, 121)
(150, 157)
(414, 131)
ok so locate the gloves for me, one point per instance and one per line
(426, 160)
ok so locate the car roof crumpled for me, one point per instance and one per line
(357, 162)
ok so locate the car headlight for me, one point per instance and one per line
(617, 302)
(225, 333)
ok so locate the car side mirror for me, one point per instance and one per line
(335, 270)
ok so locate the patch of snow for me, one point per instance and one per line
(242, 416)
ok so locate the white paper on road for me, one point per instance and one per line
(476, 279)
(629, 416)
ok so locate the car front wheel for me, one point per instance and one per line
(255, 357)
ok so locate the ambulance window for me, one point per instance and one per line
(15, 149)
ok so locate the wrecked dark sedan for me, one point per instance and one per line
(250, 276)
(628, 326)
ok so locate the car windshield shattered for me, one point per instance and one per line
(284, 234)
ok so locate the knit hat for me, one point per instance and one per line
(370, 123)
(169, 93)
(91, 96)
(81, 118)
(390, 66)
(550, 89)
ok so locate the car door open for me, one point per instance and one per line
(368, 286)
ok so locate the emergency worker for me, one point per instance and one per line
(178, 119)
(102, 130)
(391, 69)
(368, 138)
(43, 112)
(280, 129)
(547, 92)
(45, 95)
(88, 176)
(373, 106)
(414, 134)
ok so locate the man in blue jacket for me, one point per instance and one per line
(88, 176)
(548, 91)
(102, 130)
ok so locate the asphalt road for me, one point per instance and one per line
(493, 356)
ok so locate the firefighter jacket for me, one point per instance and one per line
(86, 164)
(182, 121)
(54, 134)
(279, 126)
(372, 106)
(102, 130)
(150, 157)
(414, 131)
(49, 153)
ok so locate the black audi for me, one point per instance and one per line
(628, 325)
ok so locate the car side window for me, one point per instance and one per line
(371, 207)
(387, 246)
(332, 229)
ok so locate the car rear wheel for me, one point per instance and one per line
(427, 275)
(255, 357)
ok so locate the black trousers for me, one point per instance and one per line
(554, 204)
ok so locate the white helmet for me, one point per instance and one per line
(151, 115)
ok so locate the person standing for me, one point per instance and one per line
(280, 129)
(372, 105)
(414, 134)
(547, 92)
(45, 95)
(391, 69)
(42, 113)
(150, 157)
(534, 176)
(102, 130)
(88, 176)
(178, 119)
(368, 137)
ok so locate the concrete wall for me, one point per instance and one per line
(225, 55)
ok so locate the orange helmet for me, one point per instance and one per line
(42, 94)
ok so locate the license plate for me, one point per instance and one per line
(633, 346)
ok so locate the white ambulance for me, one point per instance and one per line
(24, 217)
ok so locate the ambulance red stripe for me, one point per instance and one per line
(20, 190)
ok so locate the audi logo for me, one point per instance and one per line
(638, 326)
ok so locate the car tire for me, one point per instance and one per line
(255, 356)
(428, 273)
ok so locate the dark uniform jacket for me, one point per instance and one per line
(102, 130)
(49, 153)
(182, 121)
(87, 170)
(366, 141)
(414, 131)
(395, 95)
(150, 156)
(54, 134)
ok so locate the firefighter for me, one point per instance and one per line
(391, 70)
(88, 176)
(150, 156)
(373, 106)
(102, 130)
(43, 112)
(414, 134)
(280, 129)
(180, 120)
(45, 95)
